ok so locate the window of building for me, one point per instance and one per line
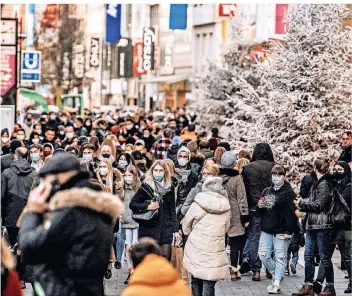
(154, 15)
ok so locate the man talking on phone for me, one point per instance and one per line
(67, 230)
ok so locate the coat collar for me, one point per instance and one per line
(228, 172)
(97, 201)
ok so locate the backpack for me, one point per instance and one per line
(339, 212)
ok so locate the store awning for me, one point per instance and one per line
(170, 79)
(35, 96)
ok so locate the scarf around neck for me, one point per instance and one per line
(160, 191)
(182, 174)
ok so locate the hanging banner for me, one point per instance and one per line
(149, 39)
(280, 14)
(166, 55)
(8, 68)
(125, 58)
(178, 17)
(94, 58)
(78, 60)
(113, 23)
(138, 59)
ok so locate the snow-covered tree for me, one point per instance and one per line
(308, 82)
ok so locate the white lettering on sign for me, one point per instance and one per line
(148, 54)
(112, 10)
(94, 52)
(122, 64)
(78, 60)
(66, 70)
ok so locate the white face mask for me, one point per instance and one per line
(35, 141)
(5, 140)
(182, 162)
(88, 123)
(69, 135)
(103, 171)
(128, 179)
(20, 137)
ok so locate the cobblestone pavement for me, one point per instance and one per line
(244, 287)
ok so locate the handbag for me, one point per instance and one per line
(339, 213)
(147, 216)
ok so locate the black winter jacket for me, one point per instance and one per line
(346, 154)
(318, 204)
(16, 183)
(172, 152)
(256, 177)
(278, 215)
(70, 246)
(197, 162)
(7, 161)
(164, 225)
(306, 184)
(297, 239)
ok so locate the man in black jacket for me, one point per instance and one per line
(7, 160)
(256, 177)
(69, 246)
(16, 183)
(346, 144)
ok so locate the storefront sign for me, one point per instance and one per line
(66, 70)
(8, 68)
(149, 39)
(138, 59)
(94, 52)
(113, 23)
(78, 60)
(166, 58)
(8, 32)
(30, 24)
(50, 16)
(227, 9)
(125, 58)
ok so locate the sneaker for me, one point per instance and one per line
(293, 268)
(304, 291)
(245, 267)
(317, 287)
(274, 289)
(328, 291)
(117, 264)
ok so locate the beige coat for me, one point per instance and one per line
(206, 223)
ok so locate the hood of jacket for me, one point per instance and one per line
(184, 149)
(98, 201)
(22, 167)
(262, 151)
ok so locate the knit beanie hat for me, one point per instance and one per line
(192, 146)
(228, 160)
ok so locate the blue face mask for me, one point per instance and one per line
(87, 157)
(35, 157)
(158, 176)
(277, 181)
(122, 163)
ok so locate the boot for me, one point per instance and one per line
(287, 272)
(304, 291)
(117, 264)
(235, 275)
(328, 291)
(256, 276)
(348, 290)
(245, 266)
(128, 278)
(317, 287)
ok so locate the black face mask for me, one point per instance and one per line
(106, 155)
(338, 176)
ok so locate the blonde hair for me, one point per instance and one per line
(109, 177)
(149, 179)
(242, 162)
(107, 142)
(171, 166)
(218, 153)
(136, 181)
(129, 146)
(213, 169)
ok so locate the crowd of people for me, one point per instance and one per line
(81, 194)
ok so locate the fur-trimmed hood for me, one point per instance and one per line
(98, 201)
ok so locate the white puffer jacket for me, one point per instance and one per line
(206, 222)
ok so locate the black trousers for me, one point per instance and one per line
(237, 244)
(202, 287)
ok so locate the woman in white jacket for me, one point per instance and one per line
(206, 222)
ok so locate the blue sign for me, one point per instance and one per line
(113, 23)
(178, 16)
(31, 66)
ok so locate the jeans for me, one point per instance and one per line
(131, 238)
(322, 238)
(294, 256)
(276, 265)
(120, 242)
(236, 249)
(202, 287)
(250, 251)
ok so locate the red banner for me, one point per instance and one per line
(50, 16)
(8, 68)
(227, 9)
(280, 14)
(138, 59)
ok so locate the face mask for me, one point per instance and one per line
(102, 126)
(29, 119)
(277, 181)
(61, 132)
(105, 155)
(87, 157)
(88, 123)
(147, 136)
(128, 180)
(64, 120)
(103, 171)
(20, 138)
(338, 176)
(69, 135)
(46, 153)
(129, 127)
(35, 157)
(35, 141)
(182, 162)
(158, 176)
(5, 140)
(52, 117)
(122, 163)
(39, 132)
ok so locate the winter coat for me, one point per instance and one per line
(207, 223)
(97, 130)
(256, 177)
(207, 153)
(318, 204)
(148, 142)
(28, 129)
(343, 187)
(306, 184)
(297, 239)
(197, 162)
(155, 276)
(278, 215)
(70, 246)
(346, 154)
(236, 192)
(190, 198)
(16, 183)
(172, 152)
(126, 218)
(7, 161)
(164, 225)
